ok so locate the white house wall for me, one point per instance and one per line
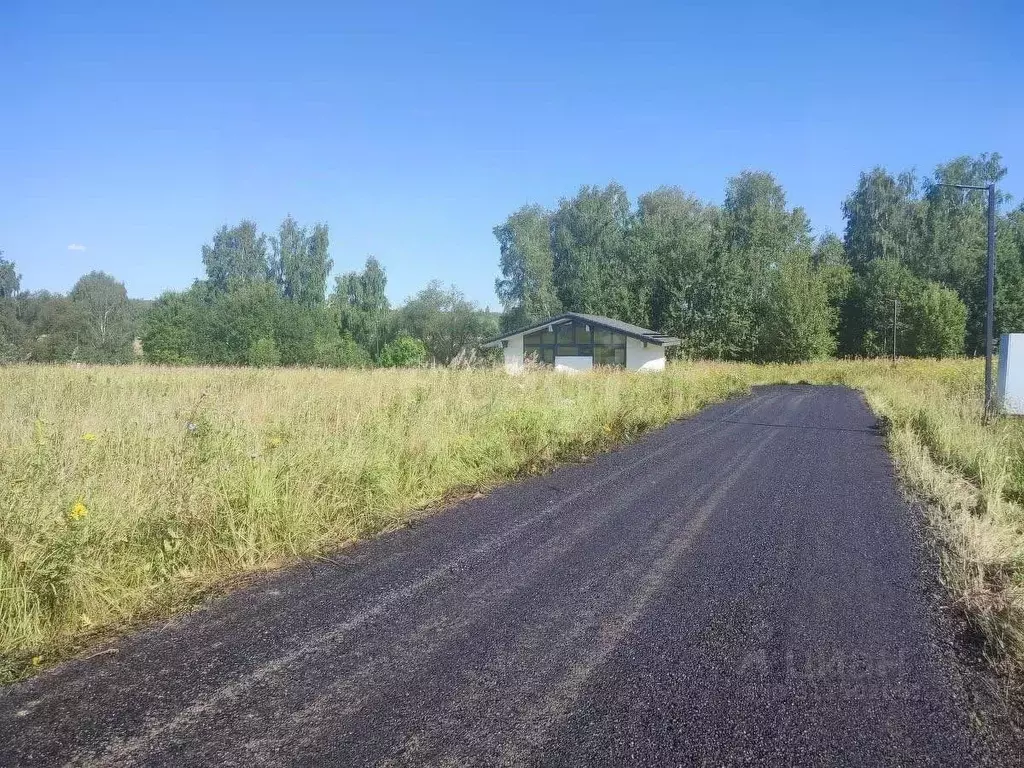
(514, 354)
(574, 363)
(639, 359)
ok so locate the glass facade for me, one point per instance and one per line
(576, 339)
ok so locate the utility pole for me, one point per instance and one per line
(990, 290)
(991, 303)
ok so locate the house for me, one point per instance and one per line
(576, 342)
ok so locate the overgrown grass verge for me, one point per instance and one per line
(128, 492)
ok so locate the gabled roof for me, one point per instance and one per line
(610, 323)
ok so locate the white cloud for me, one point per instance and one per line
(76, 247)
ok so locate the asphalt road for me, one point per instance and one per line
(746, 587)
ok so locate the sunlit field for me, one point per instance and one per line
(128, 493)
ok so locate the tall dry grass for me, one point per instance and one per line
(125, 492)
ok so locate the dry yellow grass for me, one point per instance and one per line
(127, 492)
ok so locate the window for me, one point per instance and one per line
(575, 339)
(543, 336)
(539, 346)
(609, 348)
(539, 354)
(565, 333)
(604, 355)
(609, 338)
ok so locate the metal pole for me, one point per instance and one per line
(895, 303)
(991, 291)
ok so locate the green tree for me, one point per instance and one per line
(1010, 272)
(10, 280)
(361, 303)
(204, 325)
(12, 331)
(237, 256)
(678, 232)
(169, 328)
(590, 269)
(11, 335)
(758, 234)
(955, 236)
(287, 250)
(106, 328)
(829, 251)
(937, 322)
(46, 328)
(296, 329)
(526, 287)
(300, 263)
(868, 313)
(310, 282)
(235, 320)
(883, 219)
(403, 352)
(722, 325)
(801, 322)
(445, 321)
(834, 271)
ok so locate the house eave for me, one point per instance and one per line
(651, 338)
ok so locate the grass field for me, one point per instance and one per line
(127, 493)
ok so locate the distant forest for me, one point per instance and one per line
(741, 281)
(746, 280)
(263, 302)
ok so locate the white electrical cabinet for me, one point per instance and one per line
(1010, 386)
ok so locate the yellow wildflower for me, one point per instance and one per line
(275, 441)
(37, 660)
(78, 511)
(88, 437)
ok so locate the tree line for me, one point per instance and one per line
(263, 301)
(745, 280)
(95, 322)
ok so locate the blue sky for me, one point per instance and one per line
(133, 130)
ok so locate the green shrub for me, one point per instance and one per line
(938, 322)
(263, 353)
(403, 352)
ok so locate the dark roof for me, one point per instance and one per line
(644, 334)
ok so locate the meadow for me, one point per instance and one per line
(128, 493)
